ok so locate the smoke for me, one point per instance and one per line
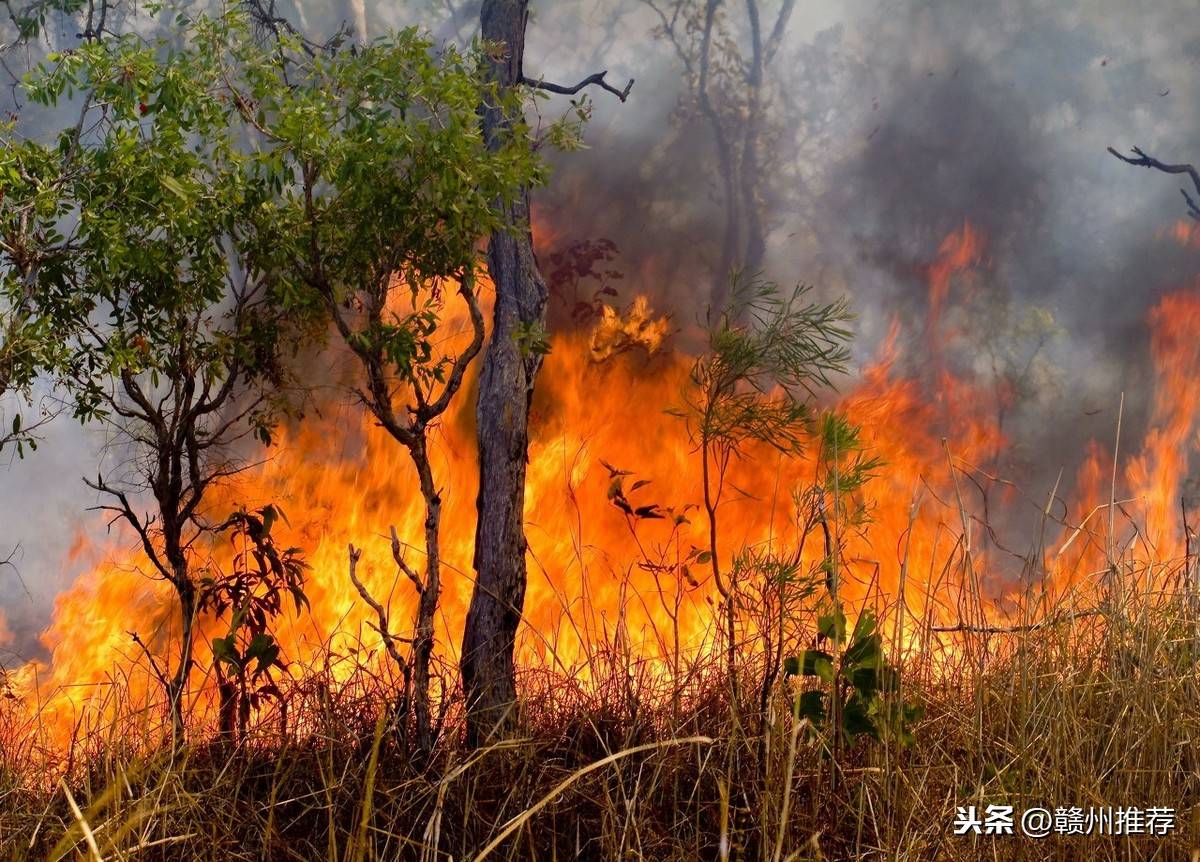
(898, 122)
(901, 124)
(1000, 114)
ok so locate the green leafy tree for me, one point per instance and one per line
(36, 304)
(253, 593)
(177, 339)
(386, 189)
(857, 686)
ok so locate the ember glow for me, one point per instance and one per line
(603, 405)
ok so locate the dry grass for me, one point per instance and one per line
(1091, 706)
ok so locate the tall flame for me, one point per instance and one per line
(600, 406)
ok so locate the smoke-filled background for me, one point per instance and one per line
(889, 126)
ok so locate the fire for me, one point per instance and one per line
(617, 332)
(1155, 477)
(340, 479)
(959, 252)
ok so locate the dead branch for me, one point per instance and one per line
(125, 512)
(389, 640)
(158, 672)
(408, 570)
(1141, 160)
(597, 79)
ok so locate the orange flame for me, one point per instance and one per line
(349, 483)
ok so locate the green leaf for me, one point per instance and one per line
(268, 518)
(864, 652)
(857, 719)
(832, 625)
(225, 649)
(174, 187)
(813, 663)
(864, 626)
(866, 680)
(812, 706)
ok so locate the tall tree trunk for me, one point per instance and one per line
(725, 165)
(756, 242)
(357, 10)
(502, 413)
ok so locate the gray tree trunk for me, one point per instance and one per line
(357, 13)
(502, 413)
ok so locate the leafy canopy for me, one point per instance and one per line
(211, 187)
(768, 352)
(385, 184)
(151, 204)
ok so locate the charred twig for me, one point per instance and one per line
(1141, 160)
(1009, 630)
(597, 79)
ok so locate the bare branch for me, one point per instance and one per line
(8, 562)
(125, 511)
(1009, 630)
(1141, 160)
(597, 79)
(460, 364)
(408, 570)
(776, 37)
(389, 640)
(162, 677)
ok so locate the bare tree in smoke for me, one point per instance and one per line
(727, 87)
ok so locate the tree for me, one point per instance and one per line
(394, 189)
(252, 592)
(727, 87)
(767, 353)
(29, 245)
(510, 367)
(33, 251)
(178, 343)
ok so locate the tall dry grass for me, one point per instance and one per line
(1093, 700)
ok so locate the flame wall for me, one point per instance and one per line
(340, 479)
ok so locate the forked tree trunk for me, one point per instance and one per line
(502, 413)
